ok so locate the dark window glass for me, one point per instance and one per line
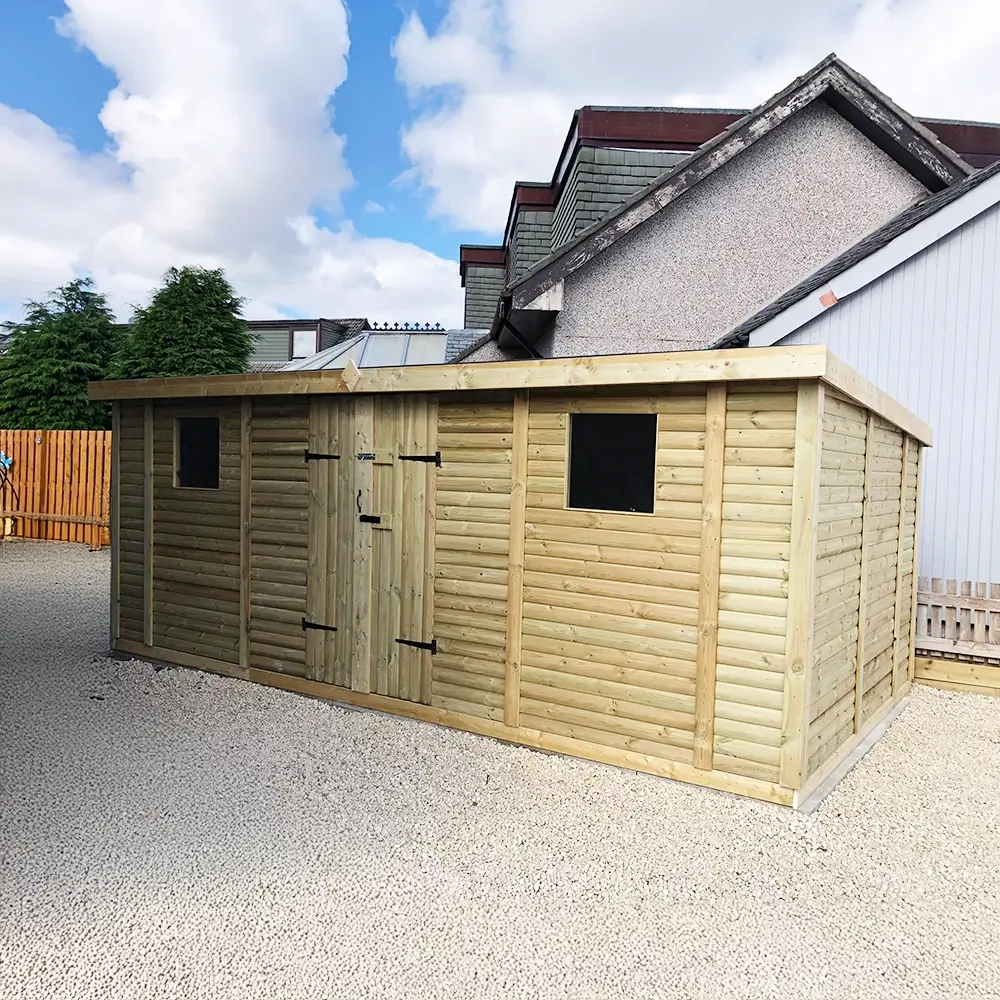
(198, 452)
(612, 461)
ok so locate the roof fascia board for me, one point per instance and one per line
(629, 369)
(841, 376)
(902, 138)
(740, 365)
(569, 149)
(884, 109)
(516, 205)
(827, 75)
(924, 234)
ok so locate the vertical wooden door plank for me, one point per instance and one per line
(409, 624)
(381, 544)
(347, 526)
(332, 640)
(246, 500)
(419, 659)
(515, 565)
(361, 583)
(147, 524)
(801, 585)
(859, 672)
(708, 591)
(429, 500)
(114, 517)
(316, 550)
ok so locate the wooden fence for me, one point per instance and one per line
(958, 620)
(61, 486)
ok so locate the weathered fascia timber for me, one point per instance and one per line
(403, 539)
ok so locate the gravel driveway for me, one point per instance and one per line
(172, 834)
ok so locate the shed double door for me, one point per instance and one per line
(371, 525)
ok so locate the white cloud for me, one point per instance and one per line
(501, 78)
(374, 208)
(222, 146)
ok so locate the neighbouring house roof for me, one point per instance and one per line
(481, 341)
(354, 325)
(374, 349)
(901, 136)
(980, 191)
(460, 342)
(267, 366)
(350, 325)
(478, 255)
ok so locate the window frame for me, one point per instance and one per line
(611, 410)
(292, 356)
(198, 415)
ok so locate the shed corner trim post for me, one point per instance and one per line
(866, 518)
(364, 443)
(515, 564)
(708, 592)
(115, 519)
(897, 624)
(147, 524)
(246, 499)
(801, 584)
(911, 663)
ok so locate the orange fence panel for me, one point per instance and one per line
(59, 486)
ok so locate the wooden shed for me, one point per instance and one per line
(696, 565)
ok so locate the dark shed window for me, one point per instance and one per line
(197, 457)
(612, 461)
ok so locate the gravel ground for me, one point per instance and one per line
(172, 834)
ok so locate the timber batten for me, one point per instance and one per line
(416, 552)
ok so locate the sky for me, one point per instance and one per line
(332, 156)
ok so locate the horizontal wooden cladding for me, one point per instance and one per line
(864, 576)
(837, 579)
(472, 505)
(130, 522)
(279, 522)
(884, 475)
(609, 633)
(753, 584)
(196, 541)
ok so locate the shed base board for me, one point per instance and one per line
(179, 659)
(820, 784)
(533, 738)
(958, 675)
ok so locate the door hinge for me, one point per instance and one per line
(306, 624)
(432, 645)
(315, 456)
(435, 458)
(370, 519)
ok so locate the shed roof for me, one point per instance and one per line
(741, 365)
